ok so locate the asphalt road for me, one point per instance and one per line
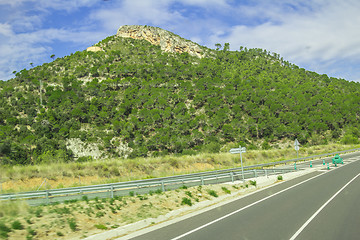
(320, 205)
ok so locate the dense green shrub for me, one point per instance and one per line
(253, 182)
(350, 139)
(101, 226)
(17, 225)
(4, 228)
(227, 191)
(72, 224)
(186, 201)
(141, 101)
(212, 193)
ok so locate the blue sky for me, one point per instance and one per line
(318, 35)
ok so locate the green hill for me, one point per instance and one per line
(142, 95)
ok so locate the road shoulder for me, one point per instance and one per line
(144, 226)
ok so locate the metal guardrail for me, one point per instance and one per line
(136, 187)
(156, 184)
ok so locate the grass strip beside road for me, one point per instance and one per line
(77, 219)
(60, 175)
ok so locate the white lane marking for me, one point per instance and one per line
(351, 159)
(241, 209)
(321, 208)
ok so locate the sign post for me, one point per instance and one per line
(236, 151)
(297, 147)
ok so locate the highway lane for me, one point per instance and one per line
(276, 217)
(340, 219)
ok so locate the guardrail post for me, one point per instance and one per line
(202, 180)
(266, 174)
(232, 176)
(255, 174)
(47, 197)
(112, 191)
(162, 186)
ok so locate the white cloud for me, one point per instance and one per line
(172, 15)
(16, 54)
(5, 29)
(67, 5)
(11, 3)
(132, 12)
(316, 37)
(312, 33)
(205, 3)
(25, 36)
(18, 50)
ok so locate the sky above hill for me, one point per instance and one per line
(318, 35)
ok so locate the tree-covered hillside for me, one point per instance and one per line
(133, 99)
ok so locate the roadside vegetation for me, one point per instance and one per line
(60, 175)
(78, 219)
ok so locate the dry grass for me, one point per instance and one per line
(95, 216)
(59, 175)
(79, 219)
(13, 208)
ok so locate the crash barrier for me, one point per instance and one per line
(157, 184)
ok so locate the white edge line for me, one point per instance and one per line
(241, 209)
(321, 208)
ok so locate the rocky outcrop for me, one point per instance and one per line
(168, 41)
(86, 149)
(94, 49)
(83, 149)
